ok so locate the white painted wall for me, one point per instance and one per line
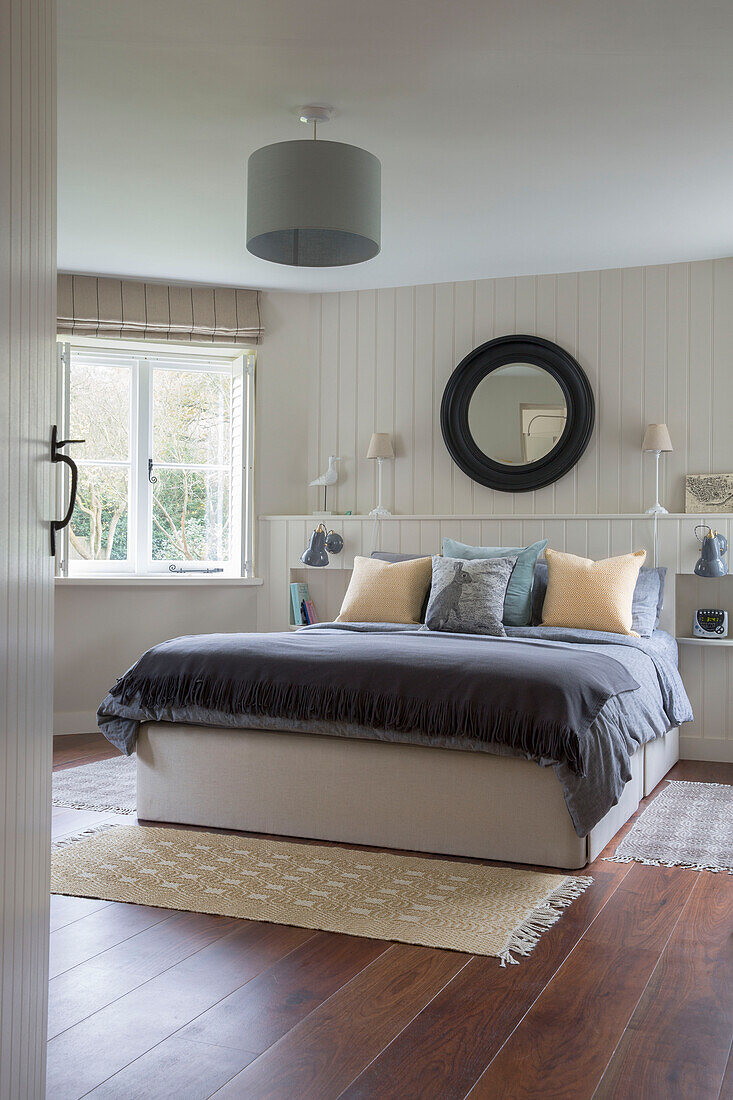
(285, 384)
(102, 629)
(27, 321)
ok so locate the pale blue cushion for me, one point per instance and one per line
(518, 598)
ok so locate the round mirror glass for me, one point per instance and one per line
(517, 414)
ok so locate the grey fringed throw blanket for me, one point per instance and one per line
(513, 692)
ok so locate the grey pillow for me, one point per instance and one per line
(648, 599)
(467, 597)
(387, 555)
(646, 607)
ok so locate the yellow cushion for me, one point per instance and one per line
(386, 592)
(591, 595)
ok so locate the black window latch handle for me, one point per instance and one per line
(58, 456)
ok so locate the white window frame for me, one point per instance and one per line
(145, 358)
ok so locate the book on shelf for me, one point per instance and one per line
(298, 595)
(310, 612)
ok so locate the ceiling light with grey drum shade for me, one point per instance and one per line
(313, 203)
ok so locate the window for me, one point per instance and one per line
(165, 469)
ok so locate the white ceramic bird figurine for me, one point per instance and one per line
(329, 478)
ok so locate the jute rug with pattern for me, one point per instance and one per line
(436, 902)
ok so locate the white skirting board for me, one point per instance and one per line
(370, 792)
(706, 748)
(66, 723)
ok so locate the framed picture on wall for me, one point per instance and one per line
(709, 493)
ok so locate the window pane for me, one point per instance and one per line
(191, 516)
(192, 417)
(99, 410)
(98, 529)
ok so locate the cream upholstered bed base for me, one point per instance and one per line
(371, 792)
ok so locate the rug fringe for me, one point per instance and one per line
(697, 783)
(672, 862)
(63, 841)
(525, 938)
(81, 804)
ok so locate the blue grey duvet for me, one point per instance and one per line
(580, 701)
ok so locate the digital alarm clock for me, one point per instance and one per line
(709, 622)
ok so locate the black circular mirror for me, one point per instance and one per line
(517, 413)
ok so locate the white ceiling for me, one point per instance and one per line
(516, 136)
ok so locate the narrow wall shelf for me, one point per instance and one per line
(705, 641)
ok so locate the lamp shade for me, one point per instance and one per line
(322, 543)
(313, 204)
(380, 446)
(656, 438)
(315, 553)
(712, 548)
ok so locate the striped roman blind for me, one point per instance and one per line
(90, 305)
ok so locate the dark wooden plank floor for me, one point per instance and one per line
(629, 996)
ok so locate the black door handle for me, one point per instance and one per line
(57, 456)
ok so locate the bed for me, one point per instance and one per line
(534, 748)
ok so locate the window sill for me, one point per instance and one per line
(162, 581)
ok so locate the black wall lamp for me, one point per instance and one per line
(323, 542)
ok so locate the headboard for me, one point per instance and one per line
(282, 540)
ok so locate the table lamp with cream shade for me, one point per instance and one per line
(656, 440)
(380, 448)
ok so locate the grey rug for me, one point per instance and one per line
(104, 785)
(687, 825)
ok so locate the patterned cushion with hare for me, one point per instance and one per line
(467, 597)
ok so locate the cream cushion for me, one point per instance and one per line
(591, 595)
(386, 592)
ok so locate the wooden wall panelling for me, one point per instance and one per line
(464, 328)
(699, 380)
(484, 330)
(404, 399)
(588, 291)
(722, 374)
(542, 319)
(443, 366)
(655, 342)
(678, 380)
(385, 384)
(364, 496)
(348, 401)
(656, 391)
(426, 428)
(630, 429)
(27, 411)
(329, 379)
